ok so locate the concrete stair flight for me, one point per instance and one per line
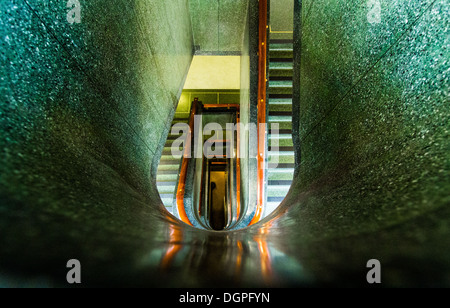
(169, 165)
(281, 157)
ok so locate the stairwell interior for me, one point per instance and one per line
(87, 109)
(279, 151)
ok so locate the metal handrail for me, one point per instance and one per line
(261, 121)
(238, 152)
(181, 188)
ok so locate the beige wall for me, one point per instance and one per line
(214, 72)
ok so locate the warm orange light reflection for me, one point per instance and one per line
(261, 118)
(265, 259)
(239, 258)
(184, 167)
(175, 245)
(238, 170)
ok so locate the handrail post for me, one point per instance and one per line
(262, 96)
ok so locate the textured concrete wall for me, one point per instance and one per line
(374, 110)
(83, 111)
(374, 131)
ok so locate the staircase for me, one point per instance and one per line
(281, 160)
(168, 169)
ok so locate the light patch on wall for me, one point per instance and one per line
(214, 72)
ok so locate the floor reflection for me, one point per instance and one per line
(175, 245)
(238, 258)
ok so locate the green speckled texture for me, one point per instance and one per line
(84, 109)
(58, 78)
(375, 110)
(374, 178)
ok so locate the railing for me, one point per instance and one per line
(184, 166)
(238, 151)
(238, 167)
(262, 96)
(227, 106)
(181, 188)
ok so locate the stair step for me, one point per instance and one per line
(169, 157)
(280, 108)
(280, 176)
(281, 132)
(280, 101)
(280, 183)
(176, 133)
(281, 66)
(168, 146)
(166, 177)
(280, 96)
(281, 41)
(280, 44)
(169, 162)
(167, 172)
(174, 136)
(282, 59)
(166, 183)
(281, 47)
(168, 202)
(279, 136)
(282, 168)
(280, 84)
(281, 124)
(165, 191)
(280, 118)
(281, 149)
(280, 90)
(280, 113)
(275, 199)
(276, 191)
(285, 142)
(281, 78)
(179, 120)
(281, 53)
(287, 158)
(177, 152)
(166, 196)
